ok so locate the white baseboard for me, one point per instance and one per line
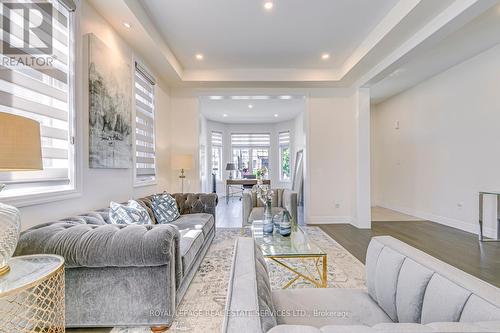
(329, 220)
(454, 223)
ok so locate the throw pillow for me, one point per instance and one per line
(131, 213)
(165, 208)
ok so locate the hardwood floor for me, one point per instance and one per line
(458, 248)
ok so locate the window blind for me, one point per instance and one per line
(216, 139)
(42, 93)
(145, 163)
(250, 140)
(284, 138)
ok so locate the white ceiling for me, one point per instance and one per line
(452, 47)
(246, 47)
(231, 111)
(236, 34)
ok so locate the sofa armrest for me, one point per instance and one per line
(112, 245)
(290, 201)
(192, 203)
(246, 207)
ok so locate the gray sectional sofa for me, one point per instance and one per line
(408, 291)
(127, 275)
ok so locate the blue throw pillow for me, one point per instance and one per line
(131, 213)
(165, 208)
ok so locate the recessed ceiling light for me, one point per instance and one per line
(240, 97)
(199, 56)
(127, 25)
(285, 97)
(260, 97)
(275, 115)
(216, 97)
(325, 56)
(224, 115)
(268, 5)
(250, 106)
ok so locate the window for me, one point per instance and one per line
(250, 152)
(284, 145)
(145, 161)
(217, 154)
(43, 92)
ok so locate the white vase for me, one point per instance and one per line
(10, 227)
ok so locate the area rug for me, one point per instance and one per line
(202, 309)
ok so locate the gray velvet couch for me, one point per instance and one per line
(127, 275)
(253, 208)
(408, 291)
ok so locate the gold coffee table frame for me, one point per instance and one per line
(281, 250)
(32, 295)
(321, 269)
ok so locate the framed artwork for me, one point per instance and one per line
(110, 108)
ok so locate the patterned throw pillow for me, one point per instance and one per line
(131, 213)
(165, 208)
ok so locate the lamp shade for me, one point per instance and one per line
(182, 161)
(230, 167)
(20, 148)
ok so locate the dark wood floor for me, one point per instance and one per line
(458, 248)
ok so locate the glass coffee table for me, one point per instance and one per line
(282, 250)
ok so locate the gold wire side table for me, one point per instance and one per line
(32, 295)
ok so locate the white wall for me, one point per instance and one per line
(446, 149)
(331, 159)
(99, 186)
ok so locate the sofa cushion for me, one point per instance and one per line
(412, 283)
(443, 300)
(264, 295)
(191, 243)
(387, 273)
(328, 307)
(131, 213)
(164, 208)
(477, 309)
(258, 213)
(200, 221)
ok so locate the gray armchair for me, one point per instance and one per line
(253, 208)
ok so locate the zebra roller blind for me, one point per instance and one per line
(145, 159)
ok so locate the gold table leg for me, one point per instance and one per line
(323, 275)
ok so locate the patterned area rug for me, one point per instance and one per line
(202, 308)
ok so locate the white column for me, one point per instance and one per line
(363, 199)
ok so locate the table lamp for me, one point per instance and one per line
(20, 150)
(230, 167)
(182, 162)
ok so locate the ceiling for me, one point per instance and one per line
(237, 34)
(439, 54)
(387, 45)
(253, 109)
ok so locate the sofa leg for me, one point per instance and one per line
(158, 329)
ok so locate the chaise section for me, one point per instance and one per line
(201, 221)
(408, 291)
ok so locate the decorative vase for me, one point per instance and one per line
(10, 227)
(285, 225)
(268, 217)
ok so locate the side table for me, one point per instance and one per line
(32, 295)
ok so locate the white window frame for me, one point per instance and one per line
(218, 147)
(282, 147)
(153, 180)
(251, 149)
(40, 195)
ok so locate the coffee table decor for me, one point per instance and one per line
(297, 246)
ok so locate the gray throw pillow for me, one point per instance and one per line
(131, 213)
(165, 208)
